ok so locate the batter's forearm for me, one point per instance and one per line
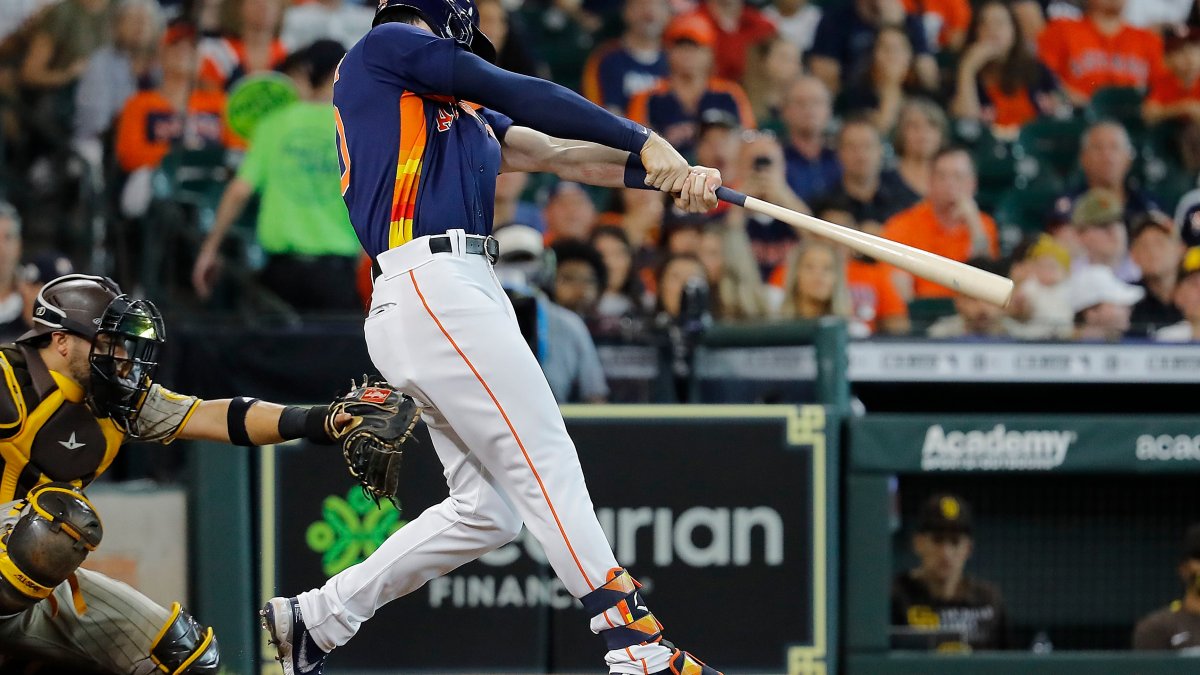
(580, 161)
(592, 164)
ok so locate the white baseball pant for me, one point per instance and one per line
(442, 330)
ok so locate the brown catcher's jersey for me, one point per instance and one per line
(47, 432)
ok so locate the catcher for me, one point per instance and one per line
(77, 386)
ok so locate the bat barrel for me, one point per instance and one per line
(957, 276)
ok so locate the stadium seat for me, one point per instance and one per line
(996, 167)
(1027, 208)
(924, 311)
(1164, 179)
(1054, 144)
(1123, 104)
(196, 178)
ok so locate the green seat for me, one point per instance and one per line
(995, 166)
(1054, 144)
(194, 177)
(1165, 180)
(1021, 212)
(923, 312)
(1123, 104)
(1160, 141)
(1027, 209)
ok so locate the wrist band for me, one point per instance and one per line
(307, 423)
(635, 173)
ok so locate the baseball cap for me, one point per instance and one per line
(718, 118)
(1148, 220)
(1187, 217)
(178, 31)
(1097, 284)
(1097, 207)
(44, 266)
(691, 28)
(1191, 543)
(1045, 245)
(1190, 263)
(519, 242)
(944, 512)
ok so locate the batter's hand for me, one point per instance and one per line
(666, 169)
(699, 193)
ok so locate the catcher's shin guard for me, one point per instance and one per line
(184, 647)
(56, 531)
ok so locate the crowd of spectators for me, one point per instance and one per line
(1054, 141)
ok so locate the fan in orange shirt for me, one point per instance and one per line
(675, 105)
(153, 120)
(874, 300)
(945, 21)
(250, 43)
(1100, 50)
(947, 222)
(1177, 93)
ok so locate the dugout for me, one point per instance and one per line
(1080, 464)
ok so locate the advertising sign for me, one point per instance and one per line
(720, 511)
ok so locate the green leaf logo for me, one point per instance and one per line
(351, 529)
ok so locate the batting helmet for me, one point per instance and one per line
(455, 19)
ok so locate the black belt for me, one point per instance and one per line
(476, 244)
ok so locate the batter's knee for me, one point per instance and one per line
(184, 647)
(494, 528)
(56, 530)
(508, 526)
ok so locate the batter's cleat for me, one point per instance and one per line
(294, 646)
(683, 663)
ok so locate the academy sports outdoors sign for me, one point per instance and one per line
(996, 449)
(1040, 443)
(720, 509)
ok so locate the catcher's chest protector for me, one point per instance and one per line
(47, 432)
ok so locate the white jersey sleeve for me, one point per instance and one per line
(163, 414)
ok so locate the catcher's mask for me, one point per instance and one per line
(123, 359)
(454, 19)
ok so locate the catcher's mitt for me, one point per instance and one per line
(373, 441)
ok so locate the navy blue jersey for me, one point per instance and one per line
(414, 160)
(614, 74)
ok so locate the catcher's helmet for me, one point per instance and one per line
(72, 303)
(455, 19)
(125, 334)
(124, 359)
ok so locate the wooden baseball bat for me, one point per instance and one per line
(959, 277)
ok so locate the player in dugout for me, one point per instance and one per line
(76, 387)
(1177, 626)
(958, 612)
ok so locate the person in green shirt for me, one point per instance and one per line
(303, 226)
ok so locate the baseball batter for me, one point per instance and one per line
(419, 166)
(77, 386)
